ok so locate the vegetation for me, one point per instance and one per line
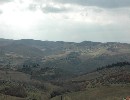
(45, 70)
(118, 64)
(17, 91)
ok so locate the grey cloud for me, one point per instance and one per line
(48, 8)
(1, 12)
(99, 3)
(4, 1)
(33, 7)
(51, 9)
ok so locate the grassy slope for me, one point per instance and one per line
(32, 86)
(99, 93)
(14, 75)
(113, 90)
(6, 97)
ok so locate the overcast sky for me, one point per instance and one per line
(66, 20)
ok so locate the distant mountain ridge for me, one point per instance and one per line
(69, 56)
(50, 47)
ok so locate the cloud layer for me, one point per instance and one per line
(5, 1)
(99, 3)
(67, 20)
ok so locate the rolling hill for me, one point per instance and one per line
(76, 58)
(111, 82)
(49, 70)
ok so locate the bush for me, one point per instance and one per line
(17, 91)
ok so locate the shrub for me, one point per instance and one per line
(17, 91)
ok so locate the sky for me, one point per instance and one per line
(66, 20)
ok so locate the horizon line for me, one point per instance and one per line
(65, 41)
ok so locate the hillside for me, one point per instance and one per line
(111, 82)
(47, 70)
(69, 56)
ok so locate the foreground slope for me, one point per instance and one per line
(111, 82)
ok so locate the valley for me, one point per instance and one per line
(48, 70)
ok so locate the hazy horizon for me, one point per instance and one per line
(66, 41)
(66, 20)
